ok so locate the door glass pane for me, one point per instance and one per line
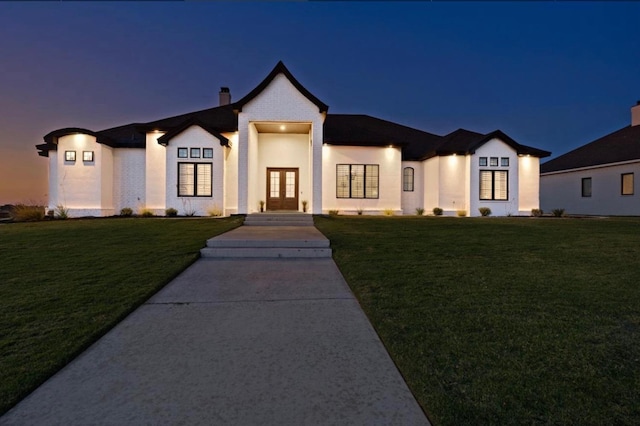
(274, 178)
(290, 184)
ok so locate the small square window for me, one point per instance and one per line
(483, 161)
(207, 152)
(504, 161)
(195, 152)
(493, 162)
(183, 152)
(87, 156)
(69, 156)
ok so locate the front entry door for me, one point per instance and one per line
(282, 189)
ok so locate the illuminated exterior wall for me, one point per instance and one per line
(413, 199)
(390, 178)
(195, 137)
(279, 102)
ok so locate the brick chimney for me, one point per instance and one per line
(225, 96)
(635, 114)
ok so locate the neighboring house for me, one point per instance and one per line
(597, 178)
(278, 144)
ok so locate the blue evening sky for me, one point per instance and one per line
(554, 75)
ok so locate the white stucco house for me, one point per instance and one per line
(279, 144)
(597, 178)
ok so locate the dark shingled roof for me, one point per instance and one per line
(621, 145)
(339, 129)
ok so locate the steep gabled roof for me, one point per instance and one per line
(364, 130)
(164, 139)
(465, 142)
(621, 145)
(280, 69)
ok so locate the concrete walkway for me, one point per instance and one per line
(233, 342)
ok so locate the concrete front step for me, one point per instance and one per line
(270, 252)
(273, 243)
(279, 219)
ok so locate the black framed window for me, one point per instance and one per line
(195, 153)
(586, 187)
(504, 161)
(493, 162)
(69, 156)
(483, 161)
(194, 180)
(407, 179)
(207, 152)
(626, 182)
(183, 153)
(494, 185)
(87, 156)
(357, 180)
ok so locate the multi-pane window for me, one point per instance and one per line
(504, 161)
(357, 180)
(627, 184)
(195, 152)
(69, 156)
(586, 187)
(207, 152)
(493, 161)
(183, 153)
(194, 179)
(494, 185)
(407, 179)
(483, 161)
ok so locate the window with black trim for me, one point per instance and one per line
(207, 152)
(494, 185)
(626, 181)
(483, 161)
(504, 162)
(407, 179)
(195, 152)
(87, 156)
(357, 180)
(493, 162)
(586, 187)
(183, 153)
(69, 156)
(194, 179)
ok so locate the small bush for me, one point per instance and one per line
(557, 212)
(419, 211)
(146, 212)
(334, 212)
(214, 211)
(61, 212)
(388, 212)
(485, 211)
(126, 212)
(536, 212)
(359, 212)
(461, 213)
(437, 211)
(304, 205)
(171, 212)
(24, 213)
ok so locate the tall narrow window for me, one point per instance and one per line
(494, 185)
(407, 179)
(357, 181)
(627, 184)
(586, 187)
(194, 180)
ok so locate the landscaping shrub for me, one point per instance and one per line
(171, 212)
(333, 212)
(146, 213)
(485, 211)
(214, 211)
(126, 212)
(557, 212)
(61, 212)
(461, 213)
(437, 211)
(536, 212)
(359, 212)
(419, 211)
(24, 213)
(388, 212)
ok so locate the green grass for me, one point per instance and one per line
(503, 321)
(63, 284)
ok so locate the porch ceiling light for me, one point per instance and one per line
(283, 127)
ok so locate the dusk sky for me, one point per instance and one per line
(554, 75)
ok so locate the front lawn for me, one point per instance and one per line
(503, 321)
(63, 284)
